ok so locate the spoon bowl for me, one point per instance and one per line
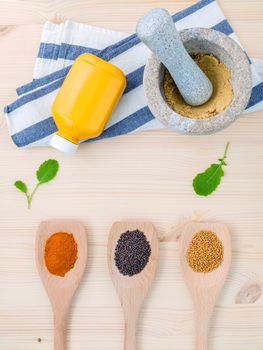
(60, 290)
(205, 287)
(132, 290)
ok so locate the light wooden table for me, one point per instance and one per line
(145, 176)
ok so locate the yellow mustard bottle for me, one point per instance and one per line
(85, 101)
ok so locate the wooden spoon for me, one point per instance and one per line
(205, 287)
(60, 290)
(132, 290)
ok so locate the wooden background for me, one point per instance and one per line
(145, 176)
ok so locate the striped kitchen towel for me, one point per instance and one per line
(29, 118)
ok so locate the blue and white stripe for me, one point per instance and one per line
(29, 117)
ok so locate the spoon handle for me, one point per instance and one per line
(204, 304)
(130, 331)
(202, 330)
(59, 332)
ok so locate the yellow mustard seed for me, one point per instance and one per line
(205, 252)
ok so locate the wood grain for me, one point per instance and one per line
(145, 176)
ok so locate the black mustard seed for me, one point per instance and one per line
(132, 252)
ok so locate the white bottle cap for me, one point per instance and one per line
(63, 145)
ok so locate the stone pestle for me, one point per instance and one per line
(158, 32)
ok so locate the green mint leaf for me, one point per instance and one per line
(20, 185)
(47, 171)
(207, 182)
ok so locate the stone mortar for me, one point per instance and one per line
(201, 40)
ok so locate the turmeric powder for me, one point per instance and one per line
(60, 253)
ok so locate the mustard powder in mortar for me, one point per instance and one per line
(220, 77)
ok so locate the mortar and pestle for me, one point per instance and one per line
(172, 50)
